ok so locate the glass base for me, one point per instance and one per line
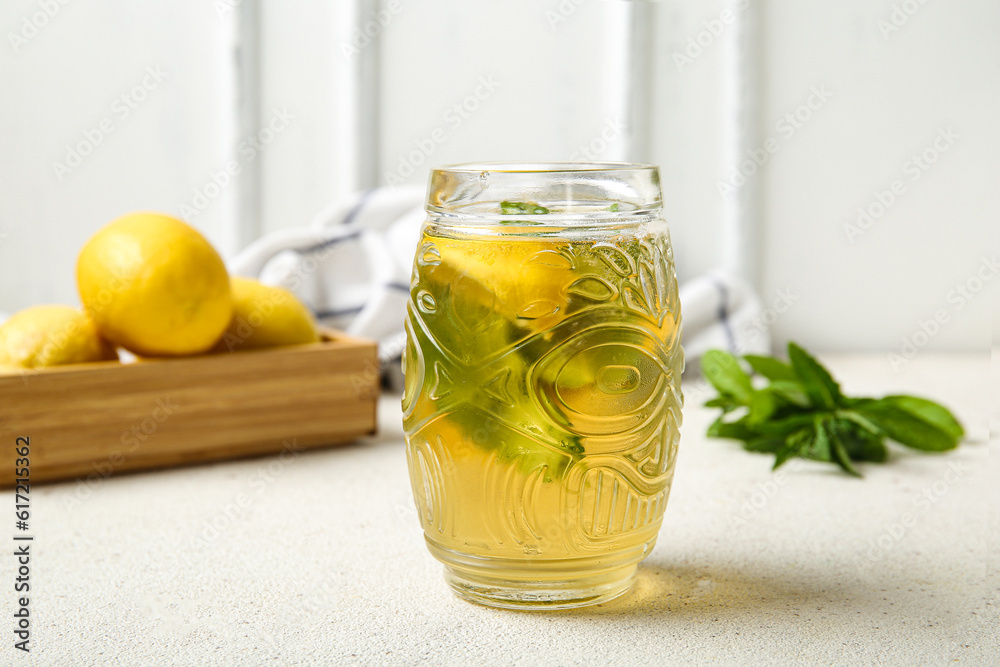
(540, 595)
(539, 584)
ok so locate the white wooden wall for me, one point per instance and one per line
(62, 90)
(697, 87)
(503, 81)
(900, 82)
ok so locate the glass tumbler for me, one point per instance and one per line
(543, 364)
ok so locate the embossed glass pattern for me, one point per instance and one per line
(542, 398)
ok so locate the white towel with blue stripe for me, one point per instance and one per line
(352, 267)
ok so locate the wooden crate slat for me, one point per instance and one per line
(84, 419)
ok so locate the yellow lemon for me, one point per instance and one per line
(154, 285)
(522, 281)
(265, 316)
(43, 336)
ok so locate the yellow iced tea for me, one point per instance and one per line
(542, 407)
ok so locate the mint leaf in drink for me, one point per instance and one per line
(522, 208)
(819, 385)
(799, 411)
(613, 208)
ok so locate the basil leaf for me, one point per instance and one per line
(861, 445)
(819, 444)
(771, 368)
(782, 455)
(857, 418)
(839, 451)
(867, 448)
(787, 425)
(820, 387)
(737, 430)
(723, 402)
(790, 391)
(906, 428)
(801, 412)
(764, 443)
(762, 407)
(929, 411)
(522, 208)
(793, 447)
(724, 372)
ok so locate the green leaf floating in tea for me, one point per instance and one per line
(522, 208)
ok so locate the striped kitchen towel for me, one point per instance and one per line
(352, 267)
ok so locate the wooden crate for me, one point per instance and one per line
(104, 418)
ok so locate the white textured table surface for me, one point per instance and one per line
(318, 558)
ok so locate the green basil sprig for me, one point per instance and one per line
(801, 412)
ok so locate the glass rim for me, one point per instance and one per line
(544, 167)
(569, 193)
